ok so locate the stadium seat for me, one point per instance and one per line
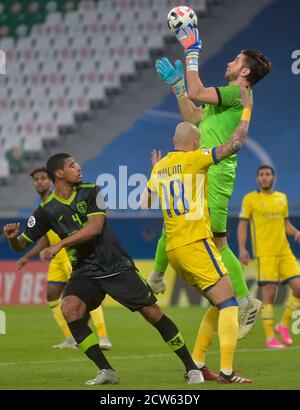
(8, 119)
(56, 91)
(143, 16)
(89, 17)
(64, 119)
(154, 41)
(33, 79)
(73, 18)
(53, 18)
(43, 43)
(10, 143)
(7, 43)
(26, 117)
(125, 65)
(60, 42)
(96, 93)
(110, 75)
(9, 130)
(87, 5)
(31, 67)
(32, 144)
(70, 79)
(78, 100)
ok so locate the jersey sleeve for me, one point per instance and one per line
(95, 202)
(246, 210)
(286, 208)
(204, 157)
(228, 96)
(152, 182)
(37, 226)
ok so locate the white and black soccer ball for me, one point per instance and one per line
(180, 17)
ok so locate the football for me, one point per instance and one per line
(180, 17)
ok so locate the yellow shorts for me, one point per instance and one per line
(59, 272)
(276, 269)
(199, 264)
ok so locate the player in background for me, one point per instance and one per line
(59, 272)
(180, 182)
(267, 212)
(76, 212)
(216, 121)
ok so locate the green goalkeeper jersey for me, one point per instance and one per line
(219, 121)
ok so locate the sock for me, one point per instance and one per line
(244, 302)
(208, 327)
(86, 317)
(293, 303)
(235, 272)
(98, 319)
(58, 316)
(174, 340)
(268, 320)
(228, 332)
(161, 258)
(88, 342)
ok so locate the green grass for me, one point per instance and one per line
(143, 361)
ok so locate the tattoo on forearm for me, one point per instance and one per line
(235, 143)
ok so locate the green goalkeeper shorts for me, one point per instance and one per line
(220, 189)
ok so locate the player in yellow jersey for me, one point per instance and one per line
(180, 181)
(267, 212)
(59, 273)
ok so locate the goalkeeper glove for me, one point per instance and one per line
(192, 44)
(156, 282)
(173, 76)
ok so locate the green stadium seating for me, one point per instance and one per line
(18, 16)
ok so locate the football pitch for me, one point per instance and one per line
(143, 361)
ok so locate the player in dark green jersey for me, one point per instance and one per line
(216, 121)
(76, 212)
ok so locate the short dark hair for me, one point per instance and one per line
(265, 167)
(56, 162)
(258, 64)
(41, 169)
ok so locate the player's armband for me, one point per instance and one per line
(246, 115)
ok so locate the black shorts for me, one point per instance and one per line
(127, 288)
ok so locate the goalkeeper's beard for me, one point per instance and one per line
(232, 76)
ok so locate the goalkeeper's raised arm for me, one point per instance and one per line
(174, 76)
(189, 39)
(249, 67)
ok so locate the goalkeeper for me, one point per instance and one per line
(216, 118)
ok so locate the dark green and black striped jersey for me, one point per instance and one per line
(103, 256)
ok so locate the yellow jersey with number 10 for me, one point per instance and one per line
(61, 256)
(180, 181)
